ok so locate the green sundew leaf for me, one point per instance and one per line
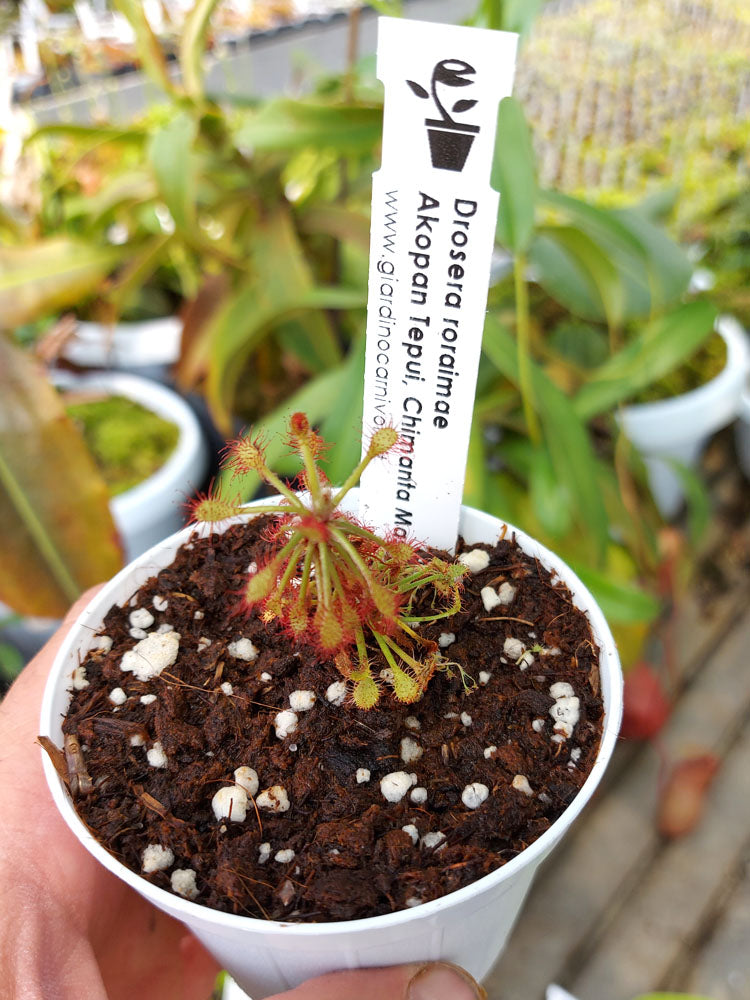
(549, 498)
(476, 482)
(173, 163)
(660, 348)
(579, 343)
(564, 433)
(51, 274)
(56, 531)
(193, 46)
(11, 662)
(597, 269)
(95, 134)
(564, 279)
(668, 266)
(514, 176)
(671, 996)
(315, 400)
(622, 603)
(290, 125)
(342, 423)
(149, 48)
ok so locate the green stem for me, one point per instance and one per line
(305, 578)
(351, 480)
(43, 541)
(523, 339)
(291, 496)
(348, 550)
(325, 576)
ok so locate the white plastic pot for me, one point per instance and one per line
(152, 510)
(148, 347)
(742, 431)
(678, 429)
(469, 926)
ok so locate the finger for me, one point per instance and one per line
(30, 682)
(434, 981)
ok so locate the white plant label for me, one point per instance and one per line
(433, 226)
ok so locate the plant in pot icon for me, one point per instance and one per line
(450, 140)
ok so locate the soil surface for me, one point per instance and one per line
(352, 857)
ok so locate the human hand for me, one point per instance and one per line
(70, 930)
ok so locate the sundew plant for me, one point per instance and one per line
(333, 583)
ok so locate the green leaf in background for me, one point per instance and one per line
(564, 433)
(171, 158)
(57, 536)
(666, 342)
(285, 124)
(549, 497)
(697, 499)
(477, 481)
(514, 176)
(597, 269)
(315, 399)
(671, 996)
(563, 279)
(11, 662)
(342, 423)
(621, 602)
(52, 274)
(193, 46)
(507, 15)
(148, 46)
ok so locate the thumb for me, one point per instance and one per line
(434, 981)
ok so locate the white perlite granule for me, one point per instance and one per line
(151, 655)
(141, 618)
(117, 696)
(513, 648)
(274, 799)
(156, 858)
(147, 699)
(490, 600)
(566, 713)
(432, 839)
(466, 719)
(102, 642)
(80, 681)
(183, 883)
(476, 560)
(284, 857)
(412, 831)
(412, 722)
(506, 593)
(336, 693)
(410, 750)
(230, 803)
(265, 676)
(242, 649)
(538, 725)
(526, 660)
(285, 723)
(484, 677)
(474, 795)
(395, 785)
(488, 751)
(561, 689)
(264, 853)
(203, 643)
(301, 701)
(521, 784)
(156, 756)
(418, 795)
(136, 740)
(226, 688)
(198, 615)
(363, 775)
(137, 633)
(159, 602)
(164, 628)
(247, 778)
(446, 639)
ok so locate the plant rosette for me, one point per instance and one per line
(152, 510)
(468, 925)
(675, 431)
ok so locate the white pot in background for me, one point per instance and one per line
(469, 926)
(678, 429)
(148, 347)
(152, 510)
(742, 431)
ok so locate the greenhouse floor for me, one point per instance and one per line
(618, 911)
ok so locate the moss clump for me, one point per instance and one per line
(705, 364)
(128, 442)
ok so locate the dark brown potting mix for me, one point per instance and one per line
(482, 765)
